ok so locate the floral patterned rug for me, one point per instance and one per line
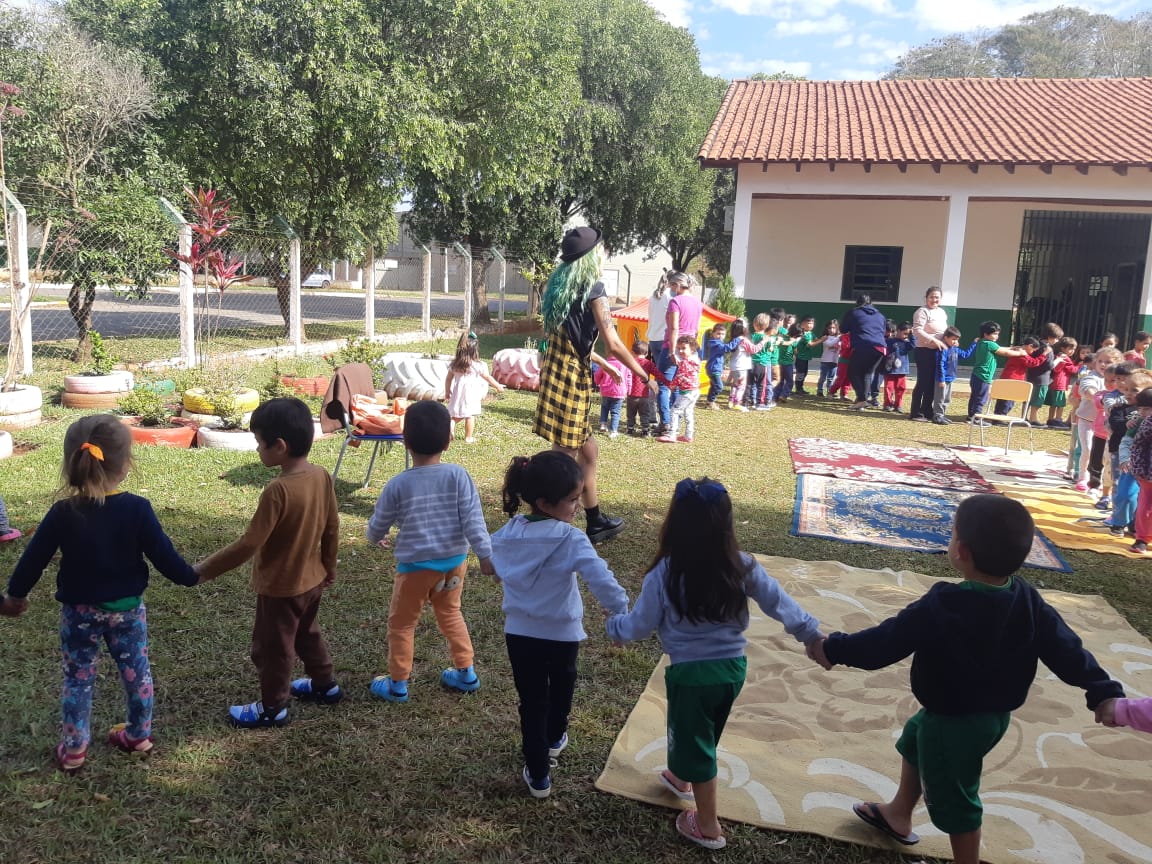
(875, 463)
(803, 745)
(901, 517)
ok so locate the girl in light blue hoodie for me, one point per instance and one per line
(695, 597)
(538, 557)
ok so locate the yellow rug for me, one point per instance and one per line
(802, 745)
(1063, 515)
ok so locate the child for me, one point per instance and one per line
(1125, 422)
(975, 648)
(758, 374)
(740, 368)
(467, 384)
(805, 351)
(538, 558)
(1135, 354)
(1041, 374)
(1091, 383)
(641, 405)
(1017, 369)
(695, 597)
(984, 366)
(103, 536)
(787, 346)
(1136, 713)
(7, 532)
(1108, 340)
(840, 385)
(1140, 464)
(686, 386)
(437, 514)
(767, 357)
(1110, 396)
(828, 358)
(896, 365)
(948, 361)
(1062, 368)
(293, 538)
(613, 389)
(716, 349)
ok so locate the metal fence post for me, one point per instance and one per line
(466, 254)
(186, 291)
(503, 282)
(20, 333)
(426, 283)
(444, 252)
(295, 325)
(370, 292)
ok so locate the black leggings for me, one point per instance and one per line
(861, 365)
(545, 675)
(927, 359)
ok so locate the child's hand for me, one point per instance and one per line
(1124, 468)
(487, 568)
(612, 372)
(384, 543)
(1106, 713)
(13, 607)
(329, 579)
(814, 648)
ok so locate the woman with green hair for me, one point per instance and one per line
(576, 313)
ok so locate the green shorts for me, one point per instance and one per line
(948, 751)
(700, 695)
(1056, 398)
(1039, 395)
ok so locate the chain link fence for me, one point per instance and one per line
(149, 308)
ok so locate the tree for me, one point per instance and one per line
(710, 241)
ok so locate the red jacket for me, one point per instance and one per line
(1016, 369)
(639, 385)
(1062, 370)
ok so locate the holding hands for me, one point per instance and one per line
(1106, 713)
(814, 648)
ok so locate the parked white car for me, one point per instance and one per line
(318, 279)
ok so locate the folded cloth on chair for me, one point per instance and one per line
(347, 381)
(371, 418)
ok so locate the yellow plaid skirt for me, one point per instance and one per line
(565, 399)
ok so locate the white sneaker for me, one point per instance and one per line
(613, 434)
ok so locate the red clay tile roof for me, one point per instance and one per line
(965, 121)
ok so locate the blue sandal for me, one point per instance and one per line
(383, 687)
(464, 680)
(302, 689)
(253, 716)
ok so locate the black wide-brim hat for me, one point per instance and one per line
(577, 243)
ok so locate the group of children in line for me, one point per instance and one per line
(694, 597)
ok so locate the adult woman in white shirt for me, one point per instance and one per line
(928, 326)
(657, 327)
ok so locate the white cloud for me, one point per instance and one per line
(876, 7)
(858, 75)
(813, 26)
(845, 41)
(730, 65)
(785, 9)
(875, 51)
(951, 17)
(703, 34)
(676, 11)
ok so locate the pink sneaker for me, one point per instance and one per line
(666, 439)
(1081, 486)
(10, 535)
(684, 439)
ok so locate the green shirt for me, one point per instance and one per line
(788, 352)
(984, 361)
(804, 349)
(760, 356)
(773, 349)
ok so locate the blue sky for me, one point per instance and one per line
(840, 39)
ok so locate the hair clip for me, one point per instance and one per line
(472, 336)
(706, 490)
(96, 452)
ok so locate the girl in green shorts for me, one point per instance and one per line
(695, 597)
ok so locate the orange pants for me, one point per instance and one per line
(410, 591)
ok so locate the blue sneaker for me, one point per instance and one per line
(302, 689)
(383, 687)
(464, 680)
(1104, 503)
(558, 748)
(541, 788)
(253, 716)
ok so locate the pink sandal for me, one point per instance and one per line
(118, 738)
(687, 827)
(682, 794)
(10, 534)
(70, 763)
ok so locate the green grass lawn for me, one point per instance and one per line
(436, 779)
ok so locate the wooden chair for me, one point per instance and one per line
(1019, 392)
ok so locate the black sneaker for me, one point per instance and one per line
(1139, 547)
(1116, 530)
(604, 528)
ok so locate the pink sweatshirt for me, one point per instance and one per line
(609, 389)
(1136, 713)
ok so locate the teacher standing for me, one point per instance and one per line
(657, 325)
(866, 326)
(681, 319)
(576, 313)
(928, 326)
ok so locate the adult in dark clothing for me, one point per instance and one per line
(865, 324)
(928, 325)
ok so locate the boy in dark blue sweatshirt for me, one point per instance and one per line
(975, 647)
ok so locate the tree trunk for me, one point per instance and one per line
(480, 313)
(81, 297)
(283, 285)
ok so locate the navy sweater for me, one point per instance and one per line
(976, 650)
(867, 327)
(102, 551)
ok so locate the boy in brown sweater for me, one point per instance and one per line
(293, 538)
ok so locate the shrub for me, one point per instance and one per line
(145, 403)
(725, 299)
(361, 350)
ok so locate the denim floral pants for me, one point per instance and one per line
(82, 630)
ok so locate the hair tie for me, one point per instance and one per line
(472, 336)
(96, 452)
(706, 490)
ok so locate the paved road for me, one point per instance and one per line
(158, 316)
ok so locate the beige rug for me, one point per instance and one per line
(802, 745)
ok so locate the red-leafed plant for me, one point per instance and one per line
(211, 224)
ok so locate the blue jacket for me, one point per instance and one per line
(896, 361)
(867, 327)
(716, 350)
(948, 359)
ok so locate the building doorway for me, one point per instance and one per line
(1083, 271)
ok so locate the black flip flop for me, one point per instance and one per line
(871, 815)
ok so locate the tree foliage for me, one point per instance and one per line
(1064, 42)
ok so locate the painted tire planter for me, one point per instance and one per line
(245, 401)
(114, 382)
(518, 368)
(211, 421)
(225, 439)
(414, 377)
(90, 400)
(5, 445)
(314, 386)
(181, 434)
(20, 408)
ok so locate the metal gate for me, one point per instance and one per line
(1083, 271)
